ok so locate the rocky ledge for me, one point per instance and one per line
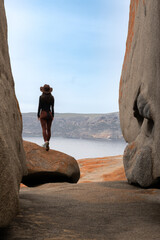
(86, 211)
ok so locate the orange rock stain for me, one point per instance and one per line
(120, 90)
(101, 169)
(133, 9)
(132, 146)
(117, 175)
(22, 185)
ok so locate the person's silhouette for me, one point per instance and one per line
(46, 113)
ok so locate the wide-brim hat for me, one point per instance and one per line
(46, 89)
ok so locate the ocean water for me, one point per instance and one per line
(81, 148)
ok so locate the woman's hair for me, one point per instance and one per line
(48, 98)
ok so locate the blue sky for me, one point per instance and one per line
(76, 46)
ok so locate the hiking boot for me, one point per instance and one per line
(47, 146)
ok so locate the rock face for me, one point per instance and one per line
(139, 97)
(47, 167)
(12, 158)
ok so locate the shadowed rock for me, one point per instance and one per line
(12, 157)
(47, 167)
(86, 211)
(139, 98)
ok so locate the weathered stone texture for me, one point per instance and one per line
(12, 157)
(139, 93)
(86, 211)
(47, 167)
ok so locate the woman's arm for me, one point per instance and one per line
(39, 107)
(53, 108)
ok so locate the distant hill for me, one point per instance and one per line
(71, 125)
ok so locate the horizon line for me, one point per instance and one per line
(74, 113)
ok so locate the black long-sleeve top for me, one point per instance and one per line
(46, 103)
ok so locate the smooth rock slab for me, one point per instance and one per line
(90, 211)
(52, 166)
(12, 156)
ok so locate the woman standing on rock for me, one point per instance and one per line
(46, 113)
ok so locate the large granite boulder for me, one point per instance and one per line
(139, 93)
(12, 157)
(48, 167)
